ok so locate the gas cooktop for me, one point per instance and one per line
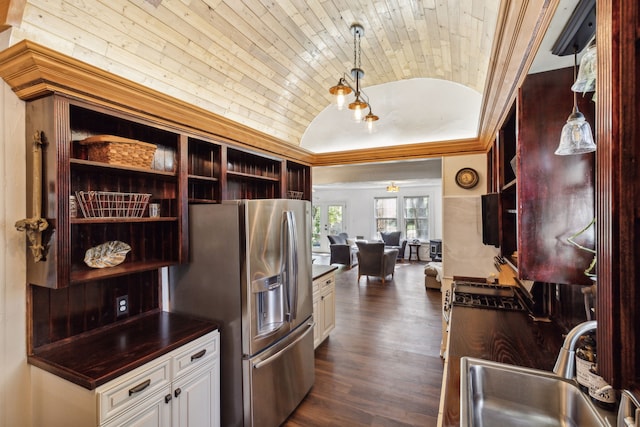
(486, 295)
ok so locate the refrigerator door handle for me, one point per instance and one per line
(291, 263)
(260, 363)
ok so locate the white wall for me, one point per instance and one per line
(359, 208)
(14, 375)
(464, 254)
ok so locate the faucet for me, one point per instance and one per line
(629, 410)
(565, 364)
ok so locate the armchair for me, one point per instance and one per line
(375, 260)
(342, 252)
(392, 241)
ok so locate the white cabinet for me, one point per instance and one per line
(324, 307)
(153, 412)
(179, 389)
(195, 399)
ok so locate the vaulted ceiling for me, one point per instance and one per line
(268, 64)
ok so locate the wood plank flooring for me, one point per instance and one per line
(381, 366)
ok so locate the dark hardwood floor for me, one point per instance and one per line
(381, 366)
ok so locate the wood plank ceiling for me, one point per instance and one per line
(268, 64)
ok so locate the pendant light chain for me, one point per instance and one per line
(343, 87)
(575, 75)
(357, 52)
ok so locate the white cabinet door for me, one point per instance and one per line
(317, 314)
(328, 308)
(324, 307)
(196, 398)
(153, 412)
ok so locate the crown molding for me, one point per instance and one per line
(33, 70)
(400, 152)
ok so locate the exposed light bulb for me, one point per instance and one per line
(357, 114)
(370, 126)
(340, 101)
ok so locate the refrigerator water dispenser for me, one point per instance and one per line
(270, 303)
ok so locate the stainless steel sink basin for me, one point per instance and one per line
(497, 394)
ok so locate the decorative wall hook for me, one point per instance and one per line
(35, 225)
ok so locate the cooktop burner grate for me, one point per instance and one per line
(482, 295)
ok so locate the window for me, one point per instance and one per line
(416, 218)
(386, 214)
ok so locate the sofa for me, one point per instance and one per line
(433, 275)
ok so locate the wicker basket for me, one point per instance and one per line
(297, 195)
(119, 151)
(106, 204)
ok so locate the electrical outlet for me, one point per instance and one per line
(122, 305)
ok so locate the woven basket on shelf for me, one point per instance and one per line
(297, 195)
(109, 204)
(116, 150)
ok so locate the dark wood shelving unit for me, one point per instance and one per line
(298, 180)
(204, 171)
(252, 176)
(507, 143)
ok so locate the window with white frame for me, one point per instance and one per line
(386, 214)
(416, 218)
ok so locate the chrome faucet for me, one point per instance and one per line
(628, 410)
(566, 362)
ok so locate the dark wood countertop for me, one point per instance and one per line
(320, 270)
(502, 336)
(95, 358)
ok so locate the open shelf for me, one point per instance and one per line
(79, 163)
(243, 175)
(87, 275)
(111, 220)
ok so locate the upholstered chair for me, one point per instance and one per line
(341, 251)
(392, 240)
(375, 260)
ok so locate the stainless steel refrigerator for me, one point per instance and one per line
(250, 269)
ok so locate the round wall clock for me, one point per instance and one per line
(467, 178)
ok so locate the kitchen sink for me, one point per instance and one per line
(498, 394)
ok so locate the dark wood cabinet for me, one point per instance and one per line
(545, 198)
(556, 196)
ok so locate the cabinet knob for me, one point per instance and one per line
(167, 398)
(177, 392)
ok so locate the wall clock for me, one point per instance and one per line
(467, 178)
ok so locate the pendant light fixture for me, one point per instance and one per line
(392, 188)
(576, 136)
(343, 87)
